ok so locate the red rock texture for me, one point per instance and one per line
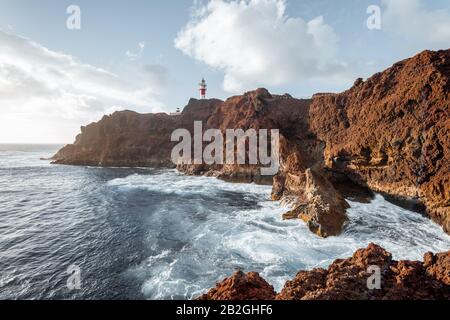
(314, 197)
(241, 286)
(438, 266)
(392, 131)
(257, 110)
(389, 133)
(347, 279)
(131, 139)
(317, 203)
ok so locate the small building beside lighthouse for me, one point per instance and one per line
(203, 88)
(177, 113)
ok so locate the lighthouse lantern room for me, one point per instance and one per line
(203, 87)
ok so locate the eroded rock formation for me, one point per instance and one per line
(316, 202)
(348, 279)
(392, 131)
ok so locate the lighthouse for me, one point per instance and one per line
(202, 89)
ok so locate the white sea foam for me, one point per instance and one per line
(161, 235)
(177, 183)
(208, 227)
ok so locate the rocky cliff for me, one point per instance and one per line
(130, 139)
(392, 131)
(389, 133)
(350, 279)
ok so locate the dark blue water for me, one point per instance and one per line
(54, 216)
(156, 234)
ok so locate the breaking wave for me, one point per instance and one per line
(157, 234)
(211, 227)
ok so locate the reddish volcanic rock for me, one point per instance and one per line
(344, 279)
(316, 202)
(347, 279)
(438, 266)
(122, 139)
(391, 132)
(241, 286)
(257, 110)
(131, 139)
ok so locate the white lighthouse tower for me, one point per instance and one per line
(203, 88)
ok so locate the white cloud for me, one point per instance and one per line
(133, 55)
(53, 90)
(411, 19)
(255, 44)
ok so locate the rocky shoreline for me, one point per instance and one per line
(349, 279)
(388, 134)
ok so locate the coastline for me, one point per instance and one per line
(262, 220)
(372, 134)
(370, 137)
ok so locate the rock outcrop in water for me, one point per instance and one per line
(347, 279)
(316, 202)
(389, 133)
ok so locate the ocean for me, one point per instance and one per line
(137, 233)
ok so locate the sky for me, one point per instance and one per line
(149, 55)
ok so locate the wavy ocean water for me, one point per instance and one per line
(156, 234)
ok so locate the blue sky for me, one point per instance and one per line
(173, 61)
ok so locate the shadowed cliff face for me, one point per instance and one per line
(129, 139)
(260, 110)
(389, 133)
(392, 131)
(350, 279)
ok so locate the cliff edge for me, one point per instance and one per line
(389, 133)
